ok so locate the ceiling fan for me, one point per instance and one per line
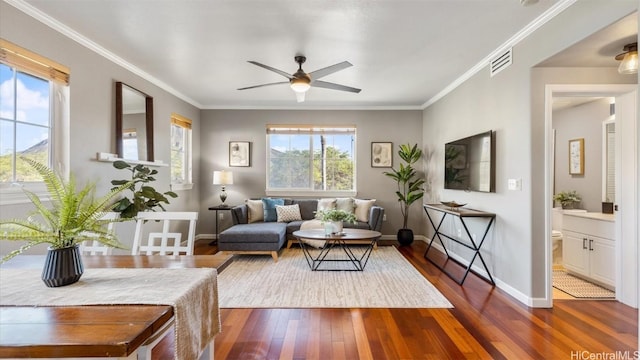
(301, 81)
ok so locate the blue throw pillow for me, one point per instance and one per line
(269, 205)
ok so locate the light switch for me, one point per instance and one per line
(514, 184)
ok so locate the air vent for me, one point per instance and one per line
(500, 62)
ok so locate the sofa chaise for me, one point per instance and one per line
(262, 226)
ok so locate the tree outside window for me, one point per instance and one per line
(311, 158)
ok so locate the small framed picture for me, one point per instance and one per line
(239, 153)
(382, 154)
(576, 157)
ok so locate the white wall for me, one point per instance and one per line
(92, 108)
(221, 126)
(583, 121)
(512, 104)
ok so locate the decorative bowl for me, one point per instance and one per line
(452, 204)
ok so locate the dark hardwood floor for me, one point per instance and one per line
(485, 323)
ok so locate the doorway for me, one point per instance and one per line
(625, 250)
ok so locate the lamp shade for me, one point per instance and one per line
(222, 177)
(629, 64)
(629, 59)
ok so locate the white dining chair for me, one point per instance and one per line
(164, 242)
(94, 247)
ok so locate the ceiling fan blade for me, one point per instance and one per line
(257, 86)
(288, 76)
(300, 96)
(329, 70)
(332, 86)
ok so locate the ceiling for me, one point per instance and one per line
(403, 52)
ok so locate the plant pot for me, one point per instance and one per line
(405, 237)
(62, 266)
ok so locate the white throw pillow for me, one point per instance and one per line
(255, 211)
(346, 204)
(288, 213)
(363, 207)
(325, 204)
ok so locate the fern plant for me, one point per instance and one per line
(73, 217)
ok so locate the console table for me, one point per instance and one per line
(462, 214)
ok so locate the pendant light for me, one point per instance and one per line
(629, 57)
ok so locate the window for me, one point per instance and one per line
(25, 124)
(180, 153)
(311, 159)
(33, 118)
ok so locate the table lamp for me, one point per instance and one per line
(223, 178)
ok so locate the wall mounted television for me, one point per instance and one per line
(470, 163)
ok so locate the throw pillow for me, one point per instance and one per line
(346, 204)
(255, 211)
(269, 206)
(325, 204)
(363, 207)
(288, 213)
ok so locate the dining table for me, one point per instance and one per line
(124, 331)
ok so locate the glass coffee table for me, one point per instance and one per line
(331, 252)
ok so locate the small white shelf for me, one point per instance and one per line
(106, 157)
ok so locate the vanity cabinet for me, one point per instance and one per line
(588, 247)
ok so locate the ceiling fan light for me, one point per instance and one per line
(629, 64)
(300, 85)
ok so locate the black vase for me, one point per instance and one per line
(405, 236)
(62, 266)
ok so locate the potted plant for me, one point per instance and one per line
(74, 216)
(567, 199)
(144, 197)
(409, 187)
(334, 218)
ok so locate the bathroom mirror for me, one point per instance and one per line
(134, 123)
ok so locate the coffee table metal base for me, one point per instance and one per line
(315, 261)
(353, 249)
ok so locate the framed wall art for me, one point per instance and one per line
(576, 157)
(239, 153)
(382, 154)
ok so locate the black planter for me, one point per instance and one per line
(405, 236)
(62, 266)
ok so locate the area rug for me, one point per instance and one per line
(579, 288)
(388, 281)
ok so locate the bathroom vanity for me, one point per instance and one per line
(588, 246)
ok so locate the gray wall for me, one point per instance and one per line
(583, 121)
(221, 126)
(512, 104)
(92, 109)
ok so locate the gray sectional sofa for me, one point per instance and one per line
(268, 237)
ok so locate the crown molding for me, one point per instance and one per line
(511, 42)
(316, 107)
(89, 44)
(84, 41)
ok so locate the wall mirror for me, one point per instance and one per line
(134, 123)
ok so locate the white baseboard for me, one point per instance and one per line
(518, 295)
(206, 236)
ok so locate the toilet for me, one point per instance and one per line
(556, 235)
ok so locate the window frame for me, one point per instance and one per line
(283, 129)
(187, 158)
(27, 62)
